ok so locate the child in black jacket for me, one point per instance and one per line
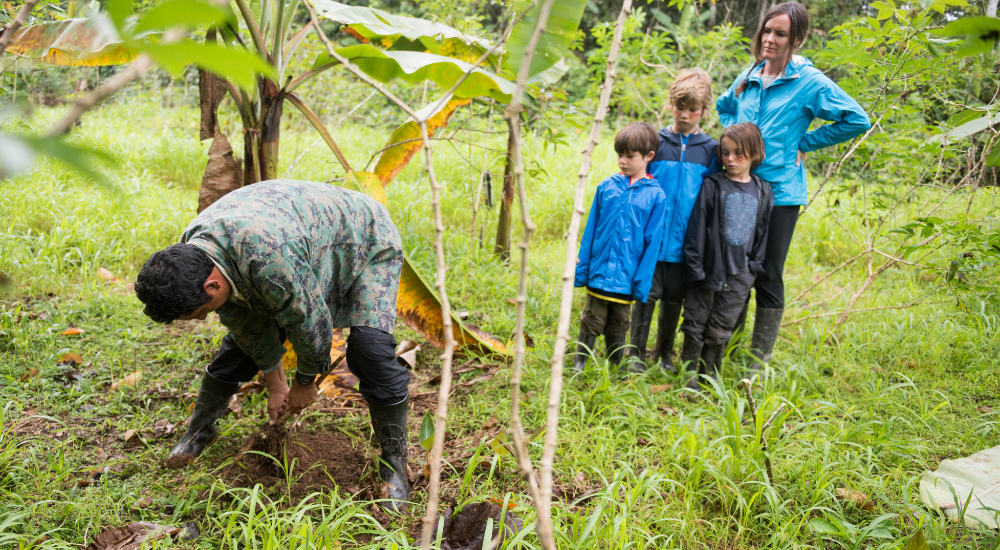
(724, 249)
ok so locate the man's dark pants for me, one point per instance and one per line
(371, 356)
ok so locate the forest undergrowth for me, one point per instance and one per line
(870, 402)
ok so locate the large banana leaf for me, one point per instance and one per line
(415, 67)
(399, 32)
(560, 29)
(409, 141)
(77, 42)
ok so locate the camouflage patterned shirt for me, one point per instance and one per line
(307, 256)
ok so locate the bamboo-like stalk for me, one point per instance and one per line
(566, 303)
(512, 114)
(441, 420)
(22, 16)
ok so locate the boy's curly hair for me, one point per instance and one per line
(637, 137)
(749, 142)
(691, 89)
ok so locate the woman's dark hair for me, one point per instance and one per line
(746, 136)
(637, 137)
(799, 18)
(171, 282)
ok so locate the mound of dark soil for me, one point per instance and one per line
(322, 460)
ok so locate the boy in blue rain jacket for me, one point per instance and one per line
(684, 157)
(620, 244)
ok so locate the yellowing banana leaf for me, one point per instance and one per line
(395, 158)
(417, 304)
(560, 29)
(416, 67)
(400, 32)
(76, 42)
(420, 308)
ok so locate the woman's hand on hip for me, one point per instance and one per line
(800, 157)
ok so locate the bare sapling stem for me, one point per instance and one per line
(19, 19)
(569, 267)
(441, 420)
(512, 114)
(477, 195)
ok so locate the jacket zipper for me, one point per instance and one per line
(680, 179)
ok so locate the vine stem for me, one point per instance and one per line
(566, 303)
(20, 19)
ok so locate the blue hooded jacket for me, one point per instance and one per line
(680, 164)
(783, 112)
(620, 243)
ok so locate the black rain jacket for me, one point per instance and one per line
(705, 237)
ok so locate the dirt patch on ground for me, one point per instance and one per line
(323, 460)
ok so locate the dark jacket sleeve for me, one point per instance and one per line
(697, 233)
(587, 242)
(760, 232)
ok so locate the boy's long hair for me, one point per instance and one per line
(637, 137)
(799, 18)
(691, 89)
(746, 136)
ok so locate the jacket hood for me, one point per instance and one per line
(793, 70)
(675, 139)
(622, 179)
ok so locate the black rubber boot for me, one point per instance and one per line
(583, 350)
(691, 359)
(642, 317)
(765, 334)
(614, 347)
(389, 425)
(711, 356)
(666, 333)
(213, 398)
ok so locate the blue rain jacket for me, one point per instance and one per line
(783, 112)
(680, 164)
(620, 243)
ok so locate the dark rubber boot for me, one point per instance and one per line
(691, 360)
(712, 355)
(642, 316)
(389, 425)
(765, 334)
(213, 399)
(583, 350)
(666, 333)
(614, 347)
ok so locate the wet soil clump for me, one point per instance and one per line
(323, 460)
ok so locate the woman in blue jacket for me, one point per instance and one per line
(782, 93)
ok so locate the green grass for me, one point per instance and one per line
(869, 404)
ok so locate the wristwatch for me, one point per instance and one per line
(305, 379)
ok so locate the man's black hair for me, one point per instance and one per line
(171, 282)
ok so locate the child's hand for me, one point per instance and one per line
(800, 157)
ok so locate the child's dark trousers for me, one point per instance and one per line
(710, 315)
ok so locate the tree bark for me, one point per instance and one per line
(272, 106)
(991, 8)
(502, 246)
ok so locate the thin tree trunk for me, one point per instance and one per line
(991, 8)
(502, 246)
(271, 106)
(569, 268)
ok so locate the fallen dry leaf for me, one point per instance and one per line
(668, 410)
(143, 503)
(490, 423)
(28, 375)
(660, 388)
(511, 504)
(406, 353)
(129, 380)
(100, 454)
(70, 359)
(105, 274)
(512, 301)
(131, 536)
(127, 435)
(985, 409)
(859, 499)
(253, 387)
(72, 332)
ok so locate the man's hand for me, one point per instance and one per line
(277, 392)
(301, 397)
